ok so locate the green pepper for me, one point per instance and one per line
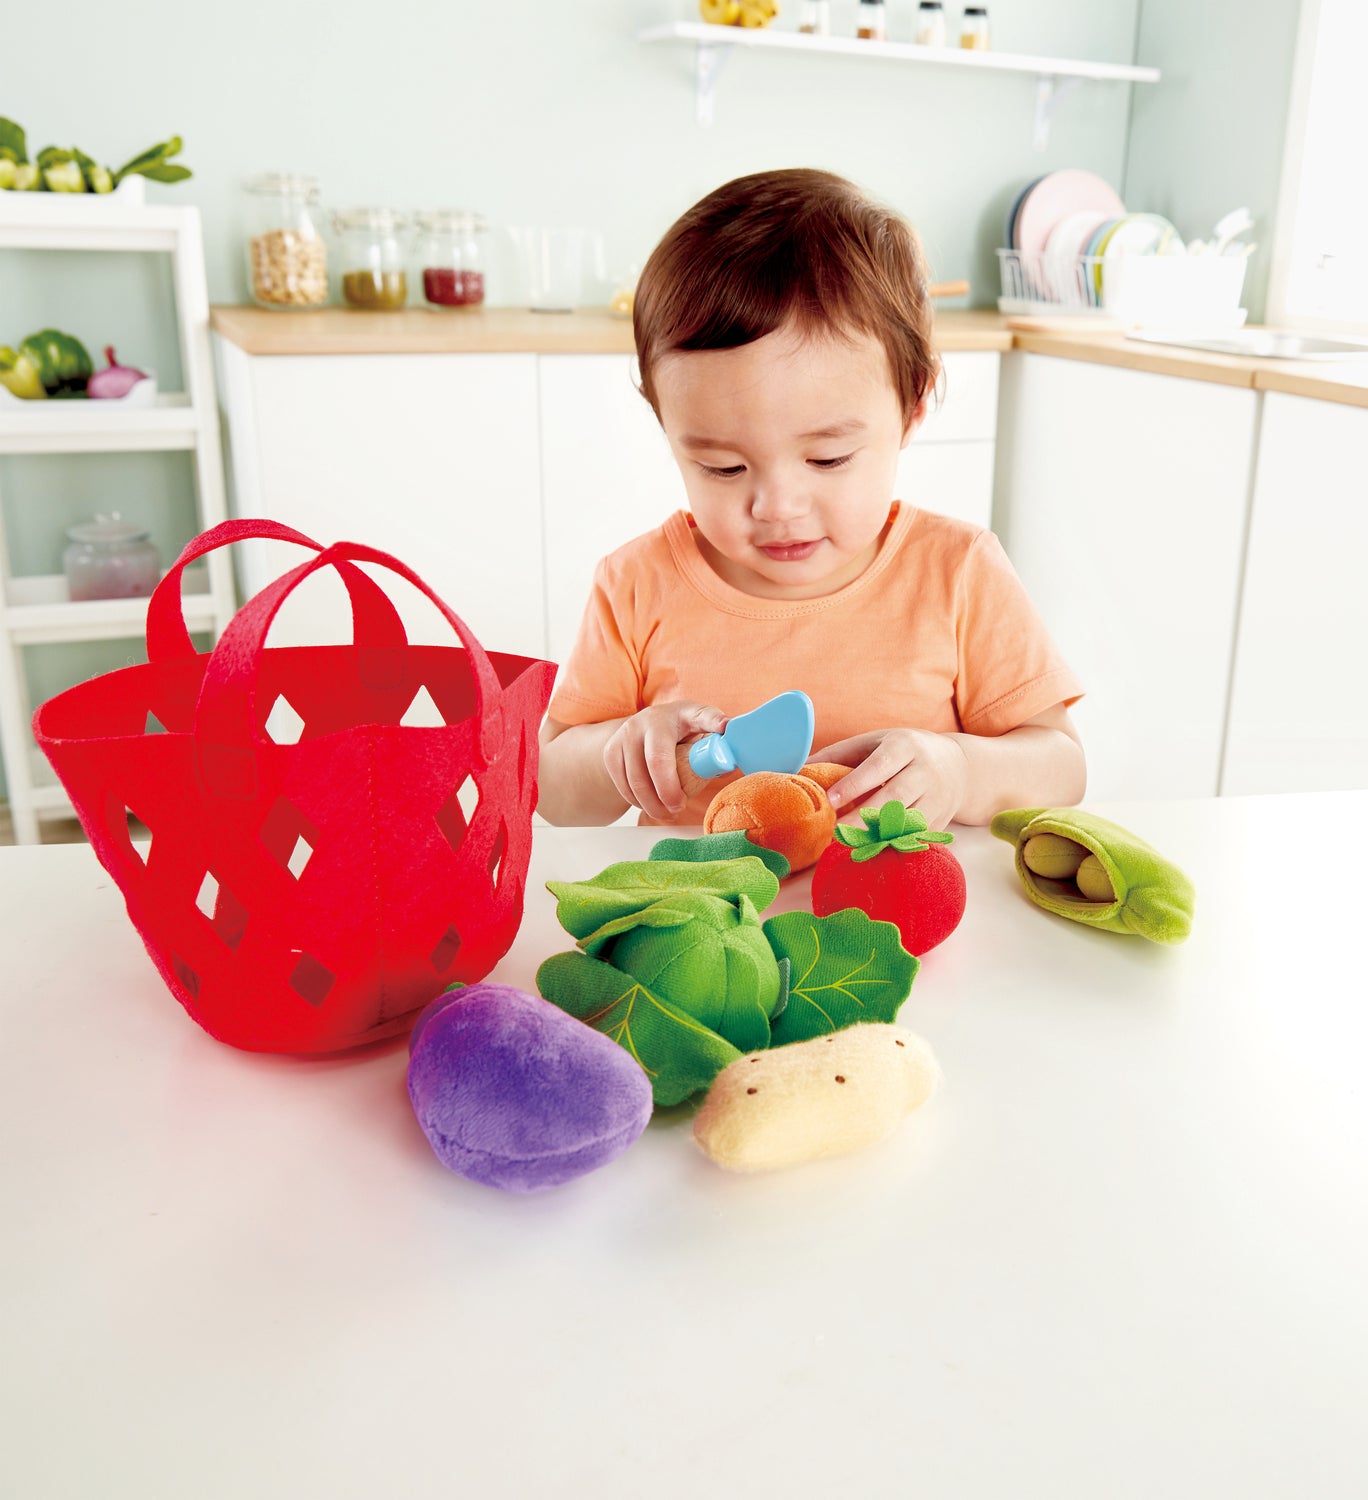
(19, 374)
(62, 362)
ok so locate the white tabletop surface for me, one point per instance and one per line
(1122, 1253)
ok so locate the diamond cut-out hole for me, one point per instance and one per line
(227, 915)
(299, 857)
(454, 815)
(423, 713)
(140, 851)
(445, 951)
(187, 976)
(289, 837)
(283, 723)
(153, 724)
(468, 795)
(310, 980)
(497, 853)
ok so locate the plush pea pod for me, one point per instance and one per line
(1152, 897)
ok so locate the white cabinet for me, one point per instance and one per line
(1121, 498)
(608, 474)
(1299, 709)
(434, 458)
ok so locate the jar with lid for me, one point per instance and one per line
(451, 258)
(372, 257)
(930, 24)
(974, 30)
(816, 18)
(871, 21)
(287, 258)
(110, 558)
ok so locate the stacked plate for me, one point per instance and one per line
(1063, 227)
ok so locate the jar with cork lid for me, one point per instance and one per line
(287, 257)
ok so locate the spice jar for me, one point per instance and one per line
(871, 21)
(930, 24)
(450, 257)
(974, 31)
(287, 259)
(372, 257)
(816, 18)
(110, 558)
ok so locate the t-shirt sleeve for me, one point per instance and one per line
(601, 678)
(1009, 669)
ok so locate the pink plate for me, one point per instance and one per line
(1056, 197)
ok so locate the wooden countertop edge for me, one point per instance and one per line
(336, 330)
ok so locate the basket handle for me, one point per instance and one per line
(225, 714)
(374, 617)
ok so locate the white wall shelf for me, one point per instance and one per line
(1054, 76)
(35, 610)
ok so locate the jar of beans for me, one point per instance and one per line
(372, 254)
(287, 259)
(451, 257)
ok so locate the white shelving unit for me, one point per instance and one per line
(35, 610)
(1054, 76)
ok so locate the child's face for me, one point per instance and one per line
(788, 447)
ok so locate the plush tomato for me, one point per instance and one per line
(894, 870)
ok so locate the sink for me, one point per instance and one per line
(1262, 343)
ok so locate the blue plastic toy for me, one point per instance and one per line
(777, 736)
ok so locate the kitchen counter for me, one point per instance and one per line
(338, 330)
(1119, 1253)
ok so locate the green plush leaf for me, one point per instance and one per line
(680, 1056)
(785, 969)
(892, 826)
(662, 914)
(13, 142)
(584, 906)
(846, 969)
(720, 846)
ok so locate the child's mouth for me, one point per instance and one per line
(791, 551)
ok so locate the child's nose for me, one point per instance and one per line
(777, 500)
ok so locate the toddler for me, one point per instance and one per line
(783, 333)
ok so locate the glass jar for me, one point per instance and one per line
(287, 259)
(816, 18)
(450, 257)
(110, 558)
(871, 21)
(974, 31)
(930, 24)
(372, 258)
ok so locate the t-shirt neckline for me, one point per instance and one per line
(679, 533)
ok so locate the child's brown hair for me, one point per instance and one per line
(796, 244)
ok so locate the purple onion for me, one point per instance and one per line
(114, 382)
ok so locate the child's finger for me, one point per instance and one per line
(658, 755)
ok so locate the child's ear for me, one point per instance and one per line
(914, 420)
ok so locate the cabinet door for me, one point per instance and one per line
(1121, 499)
(432, 457)
(607, 474)
(1298, 711)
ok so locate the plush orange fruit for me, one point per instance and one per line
(780, 810)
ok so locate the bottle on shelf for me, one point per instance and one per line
(930, 24)
(815, 19)
(974, 29)
(871, 21)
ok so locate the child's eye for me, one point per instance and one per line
(831, 463)
(728, 473)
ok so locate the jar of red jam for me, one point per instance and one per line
(451, 258)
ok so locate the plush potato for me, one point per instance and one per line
(811, 1099)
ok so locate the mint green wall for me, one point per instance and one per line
(1209, 137)
(549, 113)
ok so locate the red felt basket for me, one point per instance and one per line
(311, 896)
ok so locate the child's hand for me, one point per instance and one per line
(644, 760)
(913, 766)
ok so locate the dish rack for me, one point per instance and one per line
(1149, 291)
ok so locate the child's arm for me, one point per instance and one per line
(592, 773)
(966, 778)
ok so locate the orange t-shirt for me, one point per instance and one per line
(937, 633)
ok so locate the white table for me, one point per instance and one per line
(1122, 1253)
